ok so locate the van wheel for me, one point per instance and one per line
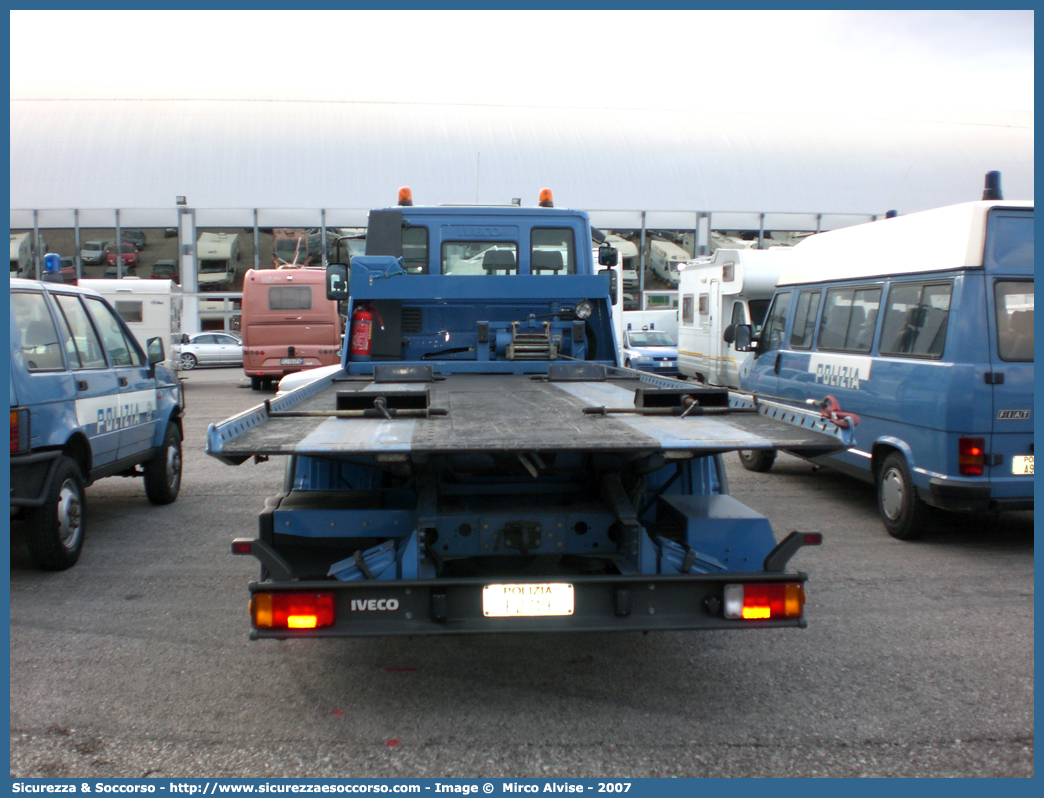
(255, 383)
(904, 514)
(760, 460)
(56, 530)
(163, 472)
(188, 361)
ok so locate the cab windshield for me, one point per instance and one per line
(651, 339)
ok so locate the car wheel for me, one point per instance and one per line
(904, 514)
(188, 361)
(759, 460)
(56, 529)
(627, 364)
(163, 472)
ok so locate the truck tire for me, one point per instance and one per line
(760, 460)
(163, 472)
(903, 513)
(188, 361)
(56, 529)
(255, 383)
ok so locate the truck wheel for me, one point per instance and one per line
(188, 361)
(163, 472)
(904, 514)
(56, 530)
(255, 383)
(757, 459)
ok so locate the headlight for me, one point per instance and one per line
(583, 310)
(644, 359)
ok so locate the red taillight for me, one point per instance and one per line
(971, 458)
(292, 610)
(757, 601)
(19, 429)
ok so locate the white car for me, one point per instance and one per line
(211, 349)
(93, 252)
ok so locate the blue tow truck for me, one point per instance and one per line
(478, 463)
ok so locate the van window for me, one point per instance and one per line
(687, 303)
(704, 304)
(41, 349)
(1010, 241)
(415, 249)
(121, 349)
(551, 251)
(849, 319)
(88, 349)
(290, 297)
(916, 318)
(479, 257)
(772, 334)
(805, 313)
(129, 311)
(1015, 319)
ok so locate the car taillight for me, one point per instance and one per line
(758, 601)
(292, 610)
(971, 458)
(19, 429)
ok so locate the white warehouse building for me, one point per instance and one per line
(255, 164)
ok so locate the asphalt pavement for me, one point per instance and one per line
(917, 661)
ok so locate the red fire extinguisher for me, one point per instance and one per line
(362, 331)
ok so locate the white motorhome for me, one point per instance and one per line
(21, 254)
(151, 309)
(733, 286)
(629, 260)
(664, 259)
(217, 255)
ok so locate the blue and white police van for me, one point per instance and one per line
(86, 403)
(922, 325)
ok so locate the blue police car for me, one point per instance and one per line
(650, 350)
(86, 402)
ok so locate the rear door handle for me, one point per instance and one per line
(81, 385)
(123, 382)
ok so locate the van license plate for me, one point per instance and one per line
(292, 361)
(1022, 465)
(527, 601)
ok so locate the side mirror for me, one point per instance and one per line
(154, 351)
(184, 338)
(337, 281)
(607, 255)
(742, 334)
(612, 283)
(729, 336)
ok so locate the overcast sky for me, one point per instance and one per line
(779, 61)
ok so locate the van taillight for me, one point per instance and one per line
(20, 429)
(971, 458)
(292, 610)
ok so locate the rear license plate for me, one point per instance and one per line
(1022, 465)
(527, 601)
(292, 361)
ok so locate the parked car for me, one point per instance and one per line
(93, 252)
(165, 270)
(87, 401)
(68, 270)
(130, 256)
(650, 350)
(136, 237)
(211, 349)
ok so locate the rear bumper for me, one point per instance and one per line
(949, 495)
(601, 604)
(31, 476)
